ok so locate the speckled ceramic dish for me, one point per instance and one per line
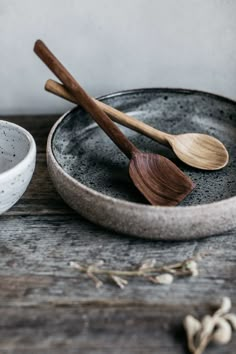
(17, 163)
(91, 174)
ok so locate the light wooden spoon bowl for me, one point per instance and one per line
(197, 150)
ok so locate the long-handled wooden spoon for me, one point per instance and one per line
(198, 150)
(157, 178)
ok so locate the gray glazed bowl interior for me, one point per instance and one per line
(90, 172)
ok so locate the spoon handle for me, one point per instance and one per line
(84, 99)
(117, 116)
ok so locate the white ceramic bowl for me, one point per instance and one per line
(17, 163)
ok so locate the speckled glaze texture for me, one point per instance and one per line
(17, 163)
(91, 174)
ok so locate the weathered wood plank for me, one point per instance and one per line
(47, 307)
(32, 246)
(89, 329)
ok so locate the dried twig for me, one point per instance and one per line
(159, 275)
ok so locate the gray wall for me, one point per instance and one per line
(113, 45)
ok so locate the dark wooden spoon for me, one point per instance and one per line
(156, 177)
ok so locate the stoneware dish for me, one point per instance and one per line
(17, 163)
(91, 174)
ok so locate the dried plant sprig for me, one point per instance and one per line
(164, 274)
(217, 328)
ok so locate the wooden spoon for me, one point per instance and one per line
(198, 150)
(157, 178)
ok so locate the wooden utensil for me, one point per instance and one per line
(157, 178)
(198, 150)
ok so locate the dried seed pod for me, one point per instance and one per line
(223, 331)
(208, 324)
(192, 327)
(217, 328)
(231, 318)
(225, 307)
(192, 266)
(99, 263)
(148, 263)
(165, 278)
(75, 265)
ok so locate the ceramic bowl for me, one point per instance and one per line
(17, 163)
(91, 174)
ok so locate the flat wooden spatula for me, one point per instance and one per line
(156, 177)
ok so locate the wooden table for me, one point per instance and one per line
(47, 307)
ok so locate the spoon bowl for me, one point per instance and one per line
(199, 150)
(158, 179)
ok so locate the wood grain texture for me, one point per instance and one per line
(198, 150)
(47, 307)
(159, 180)
(117, 116)
(83, 98)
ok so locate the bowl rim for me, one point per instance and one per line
(30, 155)
(188, 209)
